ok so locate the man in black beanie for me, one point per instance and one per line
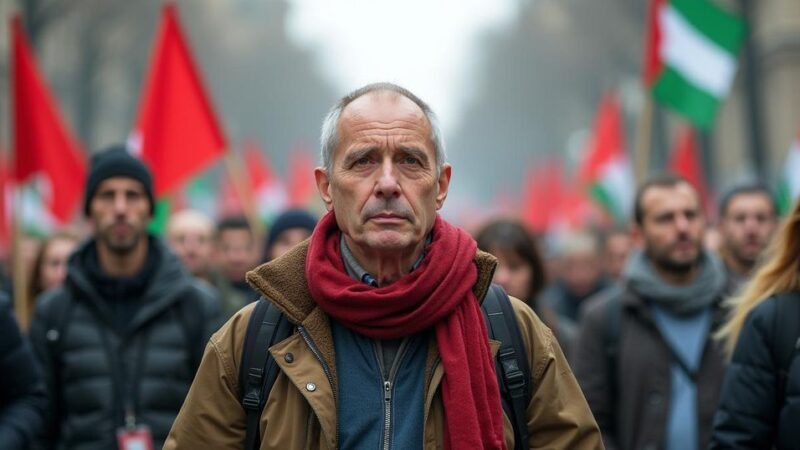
(290, 228)
(121, 339)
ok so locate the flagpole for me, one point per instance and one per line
(18, 263)
(644, 135)
(235, 168)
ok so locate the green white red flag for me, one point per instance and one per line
(691, 56)
(43, 148)
(606, 170)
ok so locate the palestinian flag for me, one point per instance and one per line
(606, 170)
(789, 184)
(690, 56)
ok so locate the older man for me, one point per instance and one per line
(190, 234)
(390, 349)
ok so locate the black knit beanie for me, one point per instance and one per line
(293, 218)
(116, 161)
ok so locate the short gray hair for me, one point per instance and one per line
(329, 137)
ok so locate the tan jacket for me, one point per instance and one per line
(301, 410)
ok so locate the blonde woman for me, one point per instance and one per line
(760, 403)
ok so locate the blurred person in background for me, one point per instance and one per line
(617, 245)
(289, 229)
(50, 265)
(190, 234)
(760, 402)
(579, 275)
(748, 219)
(520, 269)
(22, 395)
(645, 356)
(28, 247)
(121, 338)
(237, 251)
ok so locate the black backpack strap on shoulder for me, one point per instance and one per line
(513, 370)
(611, 348)
(787, 337)
(258, 369)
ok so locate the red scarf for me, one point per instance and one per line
(437, 294)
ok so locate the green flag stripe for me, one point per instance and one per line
(718, 25)
(599, 193)
(158, 224)
(672, 90)
(784, 197)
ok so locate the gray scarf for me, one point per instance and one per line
(682, 300)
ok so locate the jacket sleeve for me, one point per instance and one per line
(40, 324)
(748, 411)
(591, 368)
(22, 395)
(558, 416)
(211, 415)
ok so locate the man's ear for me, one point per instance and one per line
(443, 185)
(324, 187)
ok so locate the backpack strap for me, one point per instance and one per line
(787, 337)
(513, 370)
(258, 369)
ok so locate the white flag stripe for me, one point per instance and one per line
(792, 170)
(699, 60)
(617, 176)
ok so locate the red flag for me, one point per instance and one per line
(542, 195)
(5, 203)
(652, 62)
(685, 161)
(42, 144)
(176, 133)
(302, 184)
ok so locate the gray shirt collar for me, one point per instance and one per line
(357, 272)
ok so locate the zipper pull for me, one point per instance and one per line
(130, 418)
(387, 390)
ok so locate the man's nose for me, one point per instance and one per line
(120, 204)
(388, 185)
(682, 223)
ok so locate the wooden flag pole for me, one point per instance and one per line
(18, 264)
(235, 168)
(644, 134)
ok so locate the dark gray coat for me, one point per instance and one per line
(637, 417)
(96, 372)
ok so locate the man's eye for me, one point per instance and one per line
(410, 160)
(362, 161)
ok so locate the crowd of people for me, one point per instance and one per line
(681, 334)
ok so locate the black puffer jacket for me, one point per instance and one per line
(752, 412)
(100, 369)
(22, 397)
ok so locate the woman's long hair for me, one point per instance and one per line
(512, 235)
(778, 272)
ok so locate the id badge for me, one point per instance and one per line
(136, 438)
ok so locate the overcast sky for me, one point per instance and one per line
(425, 46)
